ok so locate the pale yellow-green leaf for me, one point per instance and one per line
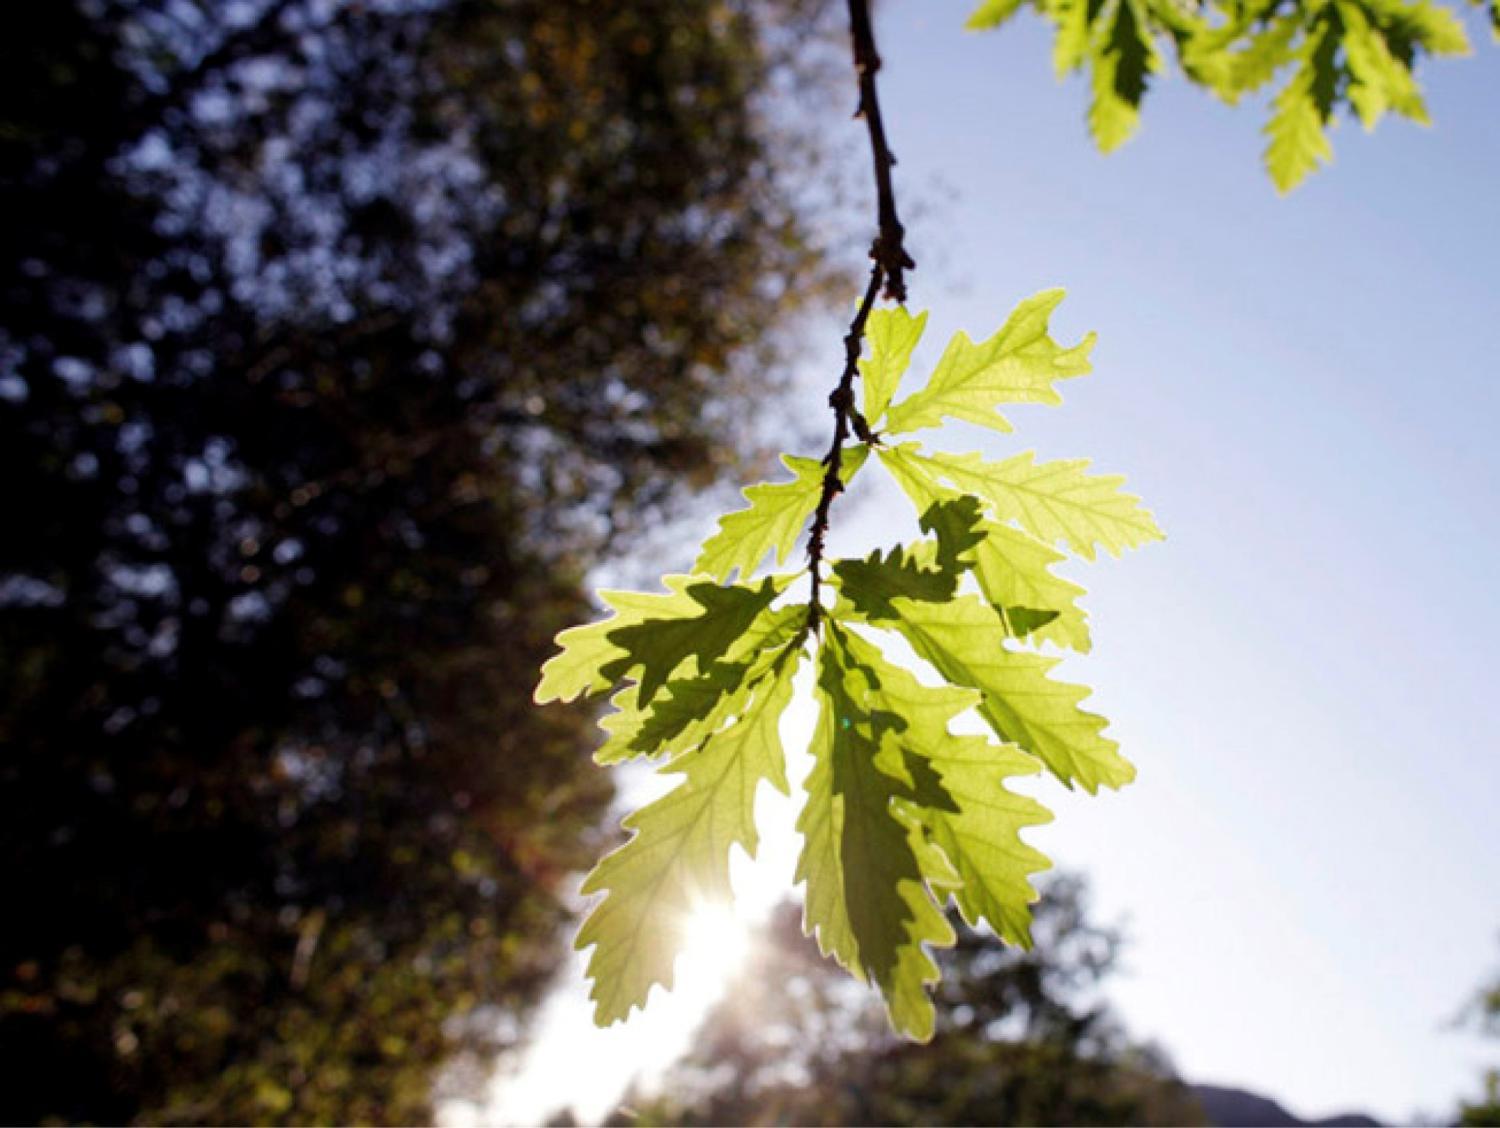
(1020, 363)
(865, 867)
(678, 856)
(992, 13)
(587, 650)
(1296, 134)
(1074, 24)
(1014, 570)
(689, 708)
(916, 482)
(960, 798)
(964, 641)
(1123, 59)
(892, 335)
(1381, 81)
(778, 512)
(1055, 501)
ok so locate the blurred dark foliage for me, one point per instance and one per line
(1022, 1038)
(1483, 1014)
(337, 340)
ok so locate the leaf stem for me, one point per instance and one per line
(887, 275)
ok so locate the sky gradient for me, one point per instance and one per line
(1304, 390)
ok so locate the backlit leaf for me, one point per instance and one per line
(1054, 501)
(1015, 573)
(865, 867)
(777, 514)
(678, 857)
(965, 807)
(892, 335)
(1018, 364)
(963, 640)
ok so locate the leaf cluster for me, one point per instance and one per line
(1321, 55)
(901, 810)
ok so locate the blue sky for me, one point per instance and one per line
(1305, 390)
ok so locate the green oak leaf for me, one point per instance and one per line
(892, 335)
(678, 856)
(1055, 501)
(690, 708)
(578, 668)
(956, 524)
(777, 514)
(928, 570)
(1380, 82)
(1014, 572)
(918, 481)
(1358, 54)
(1255, 65)
(865, 867)
(992, 13)
(650, 636)
(1018, 364)
(975, 821)
(1296, 134)
(871, 583)
(963, 641)
(1075, 24)
(900, 811)
(1122, 65)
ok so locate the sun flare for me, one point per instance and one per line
(715, 944)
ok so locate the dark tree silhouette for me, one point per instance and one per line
(1023, 1037)
(336, 341)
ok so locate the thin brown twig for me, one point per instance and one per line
(888, 250)
(841, 399)
(887, 275)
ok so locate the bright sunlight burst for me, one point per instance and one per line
(715, 943)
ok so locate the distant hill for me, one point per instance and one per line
(1237, 1108)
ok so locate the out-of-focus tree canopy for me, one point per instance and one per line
(1023, 1037)
(1483, 1014)
(336, 339)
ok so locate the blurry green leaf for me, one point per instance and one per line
(1122, 63)
(1297, 138)
(1075, 24)
(992, 13)
(1359, 54)
(1380, 81)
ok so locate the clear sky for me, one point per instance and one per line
(1306, 392)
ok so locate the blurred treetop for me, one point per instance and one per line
(336, 342)
(1023, 1038)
